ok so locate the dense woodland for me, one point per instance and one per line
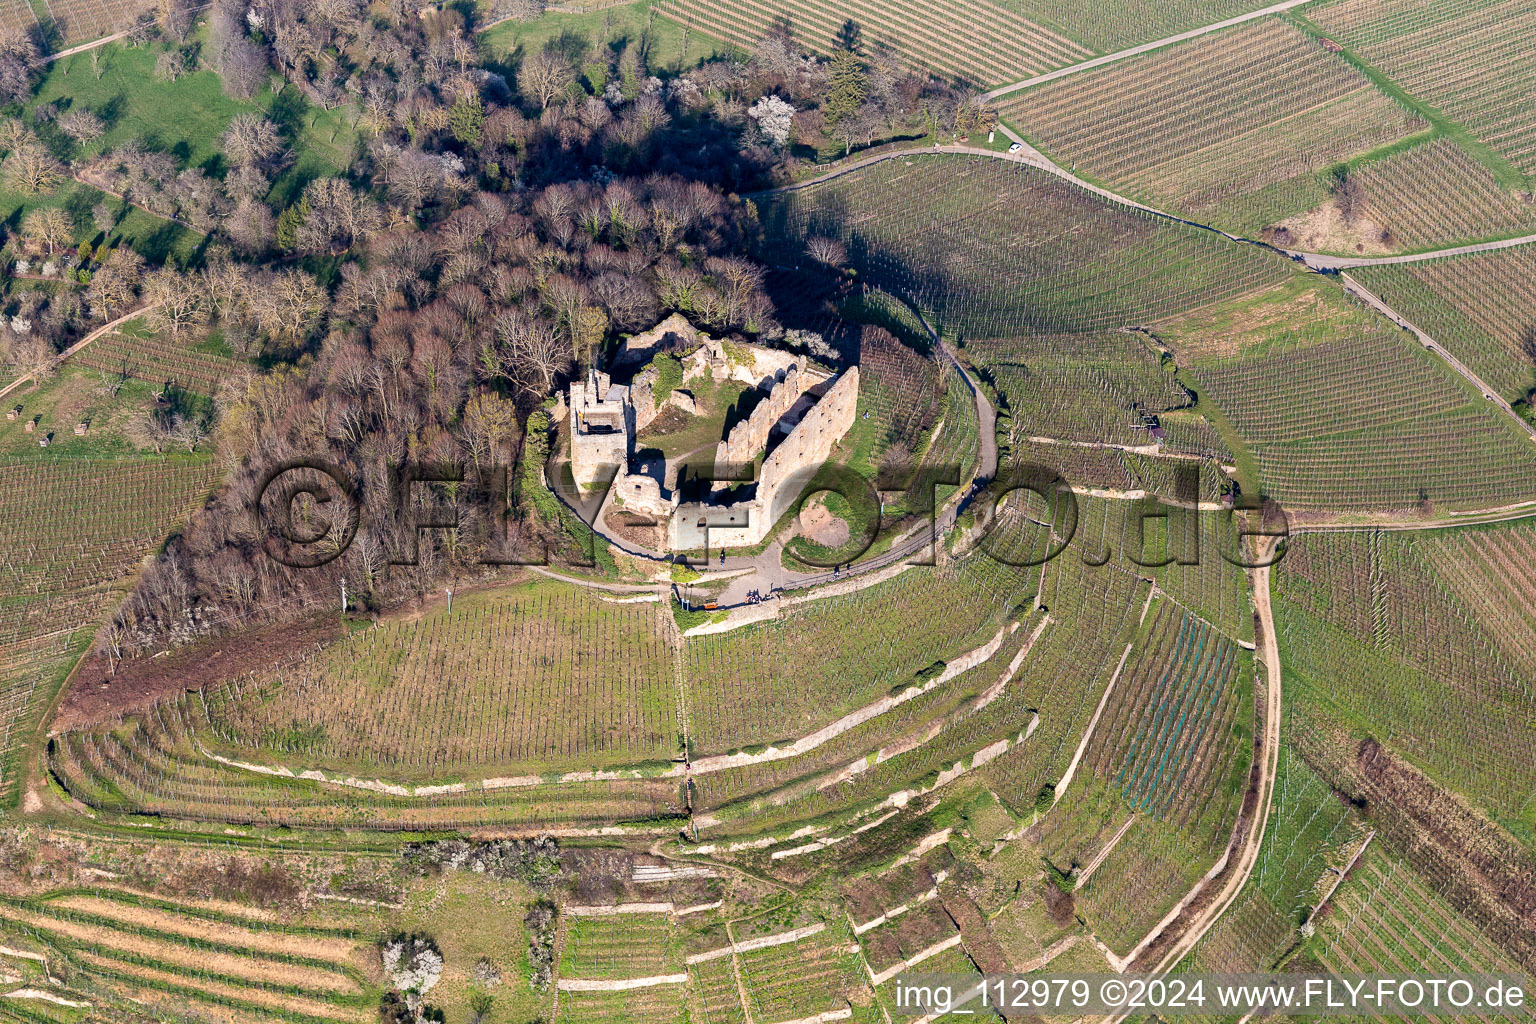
(497, 228)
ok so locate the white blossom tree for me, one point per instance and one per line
(774, 116)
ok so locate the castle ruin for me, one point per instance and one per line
(792, 428)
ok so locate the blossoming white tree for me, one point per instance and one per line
(774, 117)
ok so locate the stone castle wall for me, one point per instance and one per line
(750, 436)
(785, 473)
(792, 463)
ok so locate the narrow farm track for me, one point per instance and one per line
(1316, 262)
(1267, 760)
(1370, 299)
(76, 347)
(1119, 55)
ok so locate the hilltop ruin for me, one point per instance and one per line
(762, 463)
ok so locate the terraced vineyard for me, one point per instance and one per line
(1132, 22)
(1160, 779)
(1329, 428)
(942, 704)
(1086, 387)
(1234, 126)
(72, 537)
(154, 764)
(628, 945)
(655, 1005)
(129, 952)
(1434, 194)
(1463, 57)
(1141, 879)
(900, 389)
(1313, 835)
(376, 701)
(712, 984)
(999, 250)
(1095, 611)
(1478, 307)
(1166, 740)
(979, 41)
(1429, 641)
(76, 524)
(795, 980)
(786, 678)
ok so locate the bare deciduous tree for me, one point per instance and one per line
(32, 170)
(174, 304)
(544, 76)
(49, 229)
(252, 140)
(82, 126)
(827, 250)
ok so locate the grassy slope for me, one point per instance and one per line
(133, 103)
(510, 41)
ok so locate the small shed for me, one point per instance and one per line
(31, 425)
(13, 414)
(81, 428)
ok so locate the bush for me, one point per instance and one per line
(541, 921)
(669, 376)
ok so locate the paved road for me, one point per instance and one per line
(1118, 55)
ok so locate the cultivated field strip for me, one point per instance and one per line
(1467, 58)
(713, 986)
(72, 534)
(1479, 307)
(1165, 739)
(121, 949)
(1095, 611)
(1393, 630)
(994, 249)
(1226, 115)
(1434, 194)
(1147, 872)
(152, 764)
(16, 16)
(83, 20)
(1083, 387)
(71, 524)
(619, 947)
(1313, 834)
(470, 688)
(975, 40)
(1131, 22)
(796, 980)
(158, 359)
(1386, 919)
(658, 1004)
(900, 389)
(1330, 428)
